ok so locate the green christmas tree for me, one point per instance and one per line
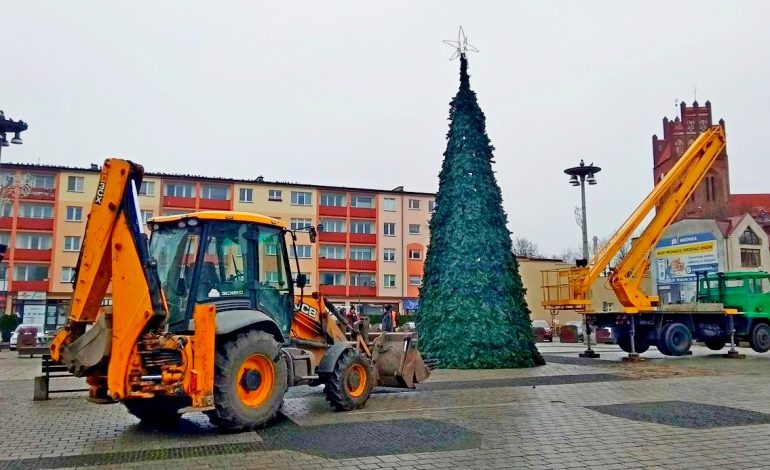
(472, 312)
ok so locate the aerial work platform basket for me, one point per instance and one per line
(561, 289)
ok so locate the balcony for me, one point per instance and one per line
(24, 223)
(41, 194)
(173, 201)
(365, 238)
(6, 222)
(336, 237)
(331, 290)
(214, 204)
(363, 213)
(335, 211)
(324, 263)
(34, 286)
(362, 291)
(23, 254)
(362, 265)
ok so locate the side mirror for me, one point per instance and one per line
(312, 232)
(301, 281)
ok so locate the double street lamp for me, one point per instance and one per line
(8, 126)
(579, 176)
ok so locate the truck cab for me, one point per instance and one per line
(748, 292)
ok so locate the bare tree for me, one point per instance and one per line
(525, 248)
(622, 252)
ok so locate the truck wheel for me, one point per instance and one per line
(716, 343)
(641, 344)
(349, 386)
(760, 338)
(674, 340)
(249, 381)
(159, 412)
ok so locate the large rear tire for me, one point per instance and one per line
(159, 412)
(250, 380)
(760, 338)
(674, 340)
(349, 386)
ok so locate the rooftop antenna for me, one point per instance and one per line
(695, 92)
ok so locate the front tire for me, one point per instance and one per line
(760, 338)
(250, 380)
(349, 386)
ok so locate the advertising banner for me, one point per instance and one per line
(679, 260)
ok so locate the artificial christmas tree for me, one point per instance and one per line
(472, 310)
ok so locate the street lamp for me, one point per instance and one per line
(8, 126)
(579, 175)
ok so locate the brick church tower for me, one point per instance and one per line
(711, 197)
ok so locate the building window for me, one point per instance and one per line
(690, 125)
(36, 211)
(415, 280)
(363, 202)
(7, 210)
(7, 179)
(5, 238)
(3, 272)
(299, 224)
(146, 215)
(332, 279)
(174, 212)
(389, 229)
(607, 306)
(750, 258)
(246, 195)
(362, 253)
(71, 243)
(75, 184)
(415, 254)
(389, 280)
(303, 251)
(271, 249)
(67, 275)
(179, 190)
(74, 214)
(414, 203)
(389, 254)
(414, 229)
(33, 241)
(431, 206)
(748, 237)
(336, 200)
(332, 251)
(710, 189)
(274, 195)
(389, 204)
(362, 280)
(30, 272)
(147, 188)
(333, 225)
(702, 124)
(307, 276)
(218, 193)
(301, 198)
(360, 226)
(42, 181)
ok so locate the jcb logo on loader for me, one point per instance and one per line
(307, 310)
(100, 191)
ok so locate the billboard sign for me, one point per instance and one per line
(679, 260)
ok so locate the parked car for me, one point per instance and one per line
(580, 330)
(42, 338)
(547, 333)
(605, 335)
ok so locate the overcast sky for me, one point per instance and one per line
(351, 93)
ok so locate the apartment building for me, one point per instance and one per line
(369, 253)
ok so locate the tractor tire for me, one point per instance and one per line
(158, 412)
(760, 338)
(717, 343)
(641, 343)
(250, 380)
(349, 386)
(674, 340)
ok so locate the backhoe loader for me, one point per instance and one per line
(206, 316)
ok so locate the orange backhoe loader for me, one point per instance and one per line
(206, 316)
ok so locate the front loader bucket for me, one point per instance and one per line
(397, 361)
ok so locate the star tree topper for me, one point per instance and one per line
(461, 46)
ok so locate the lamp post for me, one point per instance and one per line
(578, 176)
(8, 126)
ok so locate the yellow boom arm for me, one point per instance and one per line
(568, 289)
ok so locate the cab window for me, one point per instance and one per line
(274, 291)
(223, 271)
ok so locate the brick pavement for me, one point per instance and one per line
(533, 418)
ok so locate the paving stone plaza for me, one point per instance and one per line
(700, 411)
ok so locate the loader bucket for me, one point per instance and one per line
(397, 361)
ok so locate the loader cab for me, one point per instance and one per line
(235, 261)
